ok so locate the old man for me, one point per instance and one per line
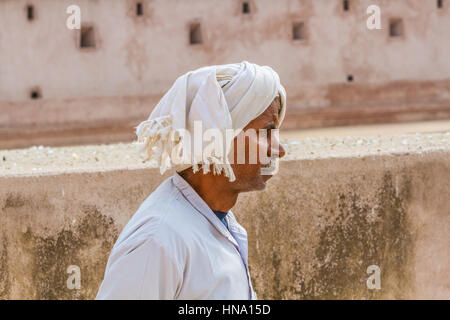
(184, 242)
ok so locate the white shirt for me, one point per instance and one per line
(175, 247)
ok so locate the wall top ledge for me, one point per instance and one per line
(41, 160)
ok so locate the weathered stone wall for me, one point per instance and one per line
(102, 92)
(327, 216)
(322, 223)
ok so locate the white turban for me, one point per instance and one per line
(221, 97)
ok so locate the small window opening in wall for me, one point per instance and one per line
(440, 4)
(396, 28)
(298, 31)
(195, 34)
(139, 9)
(245, 8)
(35, 93)
(87, 37)
(346, 5)
(350, 78)
(30, 12)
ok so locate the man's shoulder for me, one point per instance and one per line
(164, 217)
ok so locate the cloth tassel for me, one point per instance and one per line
(154, 138)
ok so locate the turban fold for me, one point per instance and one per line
(221, 97)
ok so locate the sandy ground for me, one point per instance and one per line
(361, 141)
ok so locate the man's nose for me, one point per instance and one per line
(277, 148)
(282, 151)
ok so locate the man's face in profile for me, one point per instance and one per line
(248, 173)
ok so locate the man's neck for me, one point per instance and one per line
(215, 190)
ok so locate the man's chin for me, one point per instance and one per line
(263, 182)
(258, 184)
(266, 177)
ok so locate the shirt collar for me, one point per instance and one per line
(198, 203)
(220, 214)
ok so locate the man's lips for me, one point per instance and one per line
(271, 168)
(266, 171)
